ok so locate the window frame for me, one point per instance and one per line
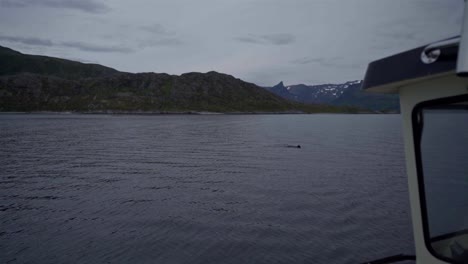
(418, 125)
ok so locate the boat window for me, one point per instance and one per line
(441, 137)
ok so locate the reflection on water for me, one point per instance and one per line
(202, 189)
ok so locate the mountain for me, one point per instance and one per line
(356, 97)
(345, 94)
(40, 83)
(13, 62)
(282, 91)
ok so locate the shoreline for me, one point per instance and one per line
(187, 113)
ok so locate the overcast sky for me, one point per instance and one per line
(260, 41)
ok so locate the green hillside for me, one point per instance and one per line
(13, 62)
(40, 83)
(354, 96)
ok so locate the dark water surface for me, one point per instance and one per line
(202, 189)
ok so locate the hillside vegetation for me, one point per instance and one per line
(40, 83)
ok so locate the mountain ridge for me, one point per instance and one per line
(41, 83)
(15, 62)
(345, 94)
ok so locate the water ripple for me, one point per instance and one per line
(202, 189)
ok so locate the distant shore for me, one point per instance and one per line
(152, 113)
(183, 113)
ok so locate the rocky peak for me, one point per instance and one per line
(280, 85)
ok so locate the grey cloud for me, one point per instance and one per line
(274, 39)
(159, 36)
(320, 61)
(393, 40)
(95, 48)
(249, 40)
(279, 39)
(157, 29)
(12, 3)
(333, 51)
(306, 60)
(91, 6)
(400, 35)
(31, 41)
(27, 40)
(167, 42)
(336, 62)
(398, 32)
(160, 42)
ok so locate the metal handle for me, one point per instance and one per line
(433, 51)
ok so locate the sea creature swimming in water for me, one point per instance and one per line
(293, 146)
